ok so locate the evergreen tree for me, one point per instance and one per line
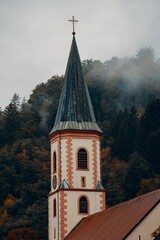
(11, 120)
(138, 169)
(124, 134)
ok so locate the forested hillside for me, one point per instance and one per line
(126, 98)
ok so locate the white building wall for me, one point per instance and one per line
(98, 160)
(54, 148)
(71, 207)
(53, 221)
(77, 174)
(73, 216)
(147, 226)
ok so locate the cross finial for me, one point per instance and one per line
(73, 20)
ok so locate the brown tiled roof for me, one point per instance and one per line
(117, 222)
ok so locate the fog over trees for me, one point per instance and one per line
(126, 99)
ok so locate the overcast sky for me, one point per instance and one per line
(35, 37)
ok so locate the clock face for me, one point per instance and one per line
(54, 182)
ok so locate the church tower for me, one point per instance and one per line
(76, 189)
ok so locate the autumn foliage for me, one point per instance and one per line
(125, 95)
(22, 233)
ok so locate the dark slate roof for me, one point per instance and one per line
(117, 222)
(64, 185)
(75, 109)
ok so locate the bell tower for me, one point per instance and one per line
(76, 189)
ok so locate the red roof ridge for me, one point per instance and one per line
(118, 221)
(146, 195)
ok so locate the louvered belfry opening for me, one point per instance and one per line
(82, 159)
(83, 205)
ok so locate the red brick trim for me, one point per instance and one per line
(48, 217)
(102, 201)
(70, 133)
(100, 162)
(54, 138)
(69, 163)
(76, 189)
(74, 132)
(63, 215)
(94, 162)
(59, 163)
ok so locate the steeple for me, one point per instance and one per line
(75, 110)
(76, 189)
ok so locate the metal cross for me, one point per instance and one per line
(73, 20)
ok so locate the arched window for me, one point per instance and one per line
(54, 162)
(54, 207)
(82, 159)
(83, 205)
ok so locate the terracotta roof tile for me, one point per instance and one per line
(115, 222)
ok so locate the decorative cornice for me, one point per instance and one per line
(76, 189)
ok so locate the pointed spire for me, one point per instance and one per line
(75, 109)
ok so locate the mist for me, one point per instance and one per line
(130, 81)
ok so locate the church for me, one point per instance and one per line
(76, 202)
